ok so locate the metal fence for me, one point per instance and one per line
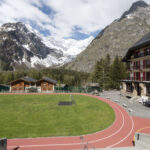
(69, 89)
(75, 89)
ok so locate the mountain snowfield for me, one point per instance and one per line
(69, 47)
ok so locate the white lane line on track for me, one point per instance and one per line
(90, 142)
(125, 136)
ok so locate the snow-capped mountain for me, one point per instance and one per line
(23, 47)
(70, 47)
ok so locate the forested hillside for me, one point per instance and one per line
(60, 75)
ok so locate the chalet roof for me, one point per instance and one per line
(145, 41)
(31, 80)
(49, 80)
(28, 79)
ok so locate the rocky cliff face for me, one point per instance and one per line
(116, 38)
(23, 47)
(19, 47)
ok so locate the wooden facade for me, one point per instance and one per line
(18, 86)
(45, 85)
(25, 84)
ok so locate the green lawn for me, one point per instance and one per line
(40, 116)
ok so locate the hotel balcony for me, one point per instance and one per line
(137, 79)
(139, 67)
(141, 54)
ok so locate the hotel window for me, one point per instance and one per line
(147, 51)
(137, 65)
(138, 76)
(143, 76)
(147, 76)
(129, 87)
(148, 89)
(136, 54)
(147, 62)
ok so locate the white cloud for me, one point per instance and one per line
(88, 15)
(15, 10)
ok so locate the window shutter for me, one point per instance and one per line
(134, 75)
(143, 76)
(139, 75)
(144, 62)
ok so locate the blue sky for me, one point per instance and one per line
(76, 19)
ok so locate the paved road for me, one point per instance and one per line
(131, 105)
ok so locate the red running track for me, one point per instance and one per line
(119, 134)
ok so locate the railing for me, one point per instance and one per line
(146, 66)
(139, 67)
(142, 54)
(138, 79)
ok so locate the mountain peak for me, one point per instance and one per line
(134, 7)
(13, 27)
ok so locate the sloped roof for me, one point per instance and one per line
(27, 79)
(49, 80)
(145, 41)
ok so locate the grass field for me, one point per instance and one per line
(40, 116)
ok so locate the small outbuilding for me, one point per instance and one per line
(92, 87)
(4, 88)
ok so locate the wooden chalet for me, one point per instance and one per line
(46, 85)
(27, 84)
(22, 84)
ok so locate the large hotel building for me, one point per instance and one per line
(138, 60)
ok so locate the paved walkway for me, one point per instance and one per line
(120, 134)
(133, 107)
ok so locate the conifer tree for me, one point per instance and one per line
(117, 73)
(106, 72)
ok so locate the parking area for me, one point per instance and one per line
(132, 105)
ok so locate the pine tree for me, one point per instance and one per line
(118, 72)
(98, 74)
(106, 72)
